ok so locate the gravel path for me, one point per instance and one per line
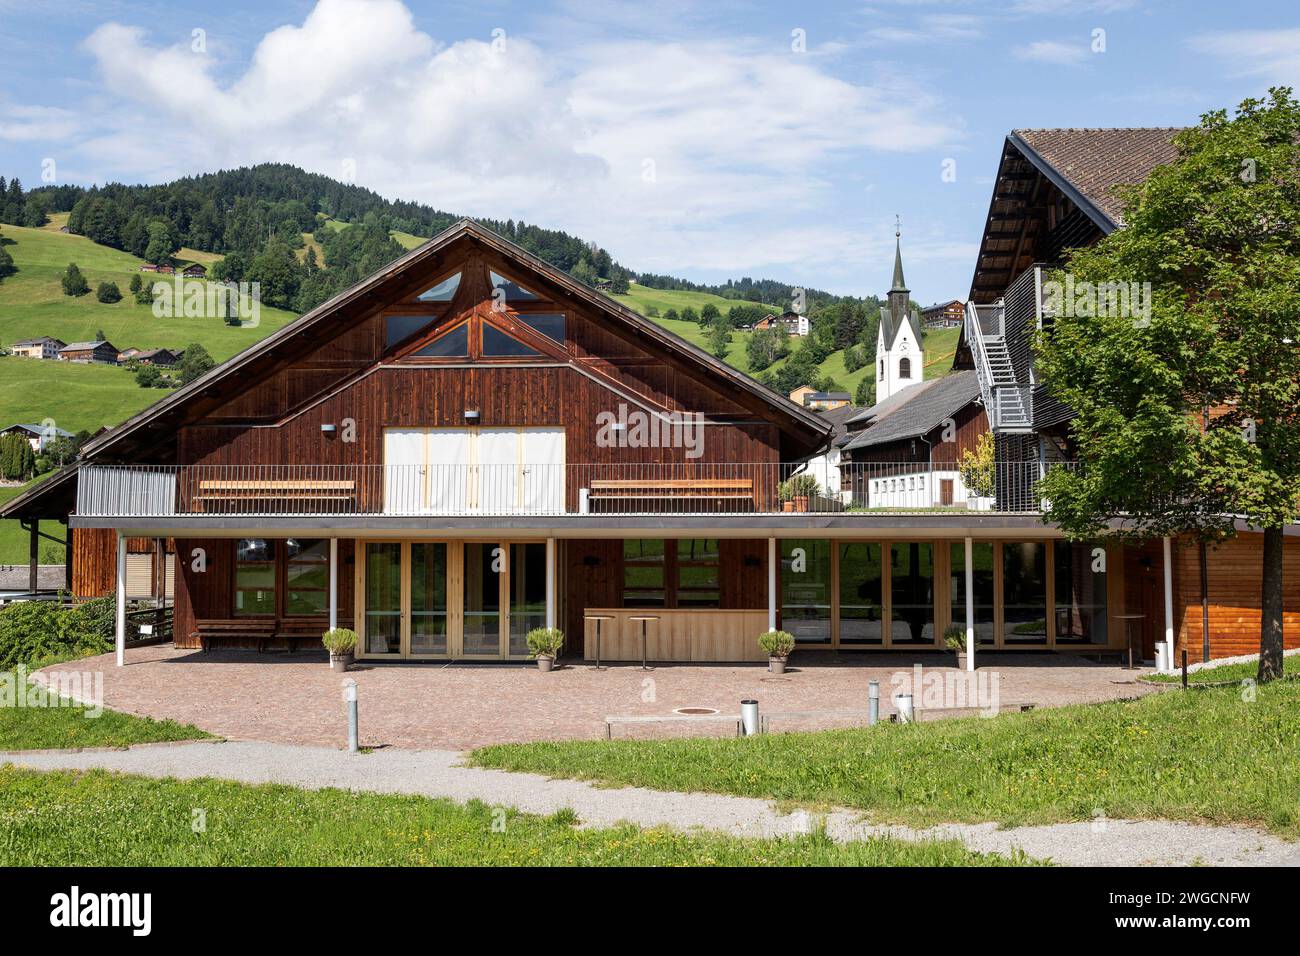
(437, 773)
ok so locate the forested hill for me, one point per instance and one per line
(260, 217)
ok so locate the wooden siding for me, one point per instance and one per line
(94, 559)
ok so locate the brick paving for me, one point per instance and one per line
(296, 699)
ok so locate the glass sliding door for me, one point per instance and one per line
(1024, 593)
(428, 599)
(911, 593)
(982, 552)
(1080, 593)
(383, 610)
(484, 564)
(806, 590)
(862, 599)
(527, 573)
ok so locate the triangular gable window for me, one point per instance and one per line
(513, 291)
(497, 344)
(442, 292)
(549, 324)
(399, 328)
(455, 344)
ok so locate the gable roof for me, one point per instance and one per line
(924, 408)
(87, 346)
(39, 340)
(37, 430)
(307, 332)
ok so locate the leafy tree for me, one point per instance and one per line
(196, 362)
(652, 312)
(709, 315)
(719, 338)
(74, 283)
(100, 336)
(147, 376)
(136, 283)
(17, 460)
(690, 315)
(7, 267)
(865, 396)
(671, 315)
(1191, 416)
(162, 243)
(764, 347)
(108, 292)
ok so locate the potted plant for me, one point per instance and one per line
(954, 638)
(786, 493)
(802, 488)
(342, 645)
(978, 472)
(544, 643)
(778, 645)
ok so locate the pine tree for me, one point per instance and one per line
(74, 283)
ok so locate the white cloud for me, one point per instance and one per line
(1271, 54)
(1051, 51)
(45, 123)
(739, 135)
(932, 28)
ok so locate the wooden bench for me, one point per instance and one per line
(643, 489)
(259, 631)
(334, 489)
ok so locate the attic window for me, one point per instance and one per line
(550, 324)
(442, 292)
(399, 328)
(497, 344)
(455, 344)
(512, 291)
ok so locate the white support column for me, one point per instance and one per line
(550, 582)
(970, 605)
(121, 600)
(1169, 604)
(771, 584)
(334, 583)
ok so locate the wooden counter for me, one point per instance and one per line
(680, 634)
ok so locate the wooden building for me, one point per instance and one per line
(471, 444)
(101, 352)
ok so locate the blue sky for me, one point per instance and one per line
(762, 139)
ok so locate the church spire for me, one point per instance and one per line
(899, 284)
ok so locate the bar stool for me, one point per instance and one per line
(645, 620)
(598, 618)
(1128, 620)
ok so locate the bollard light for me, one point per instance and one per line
(749, 717)
(350, 695)
(873, 703)
(903, 708)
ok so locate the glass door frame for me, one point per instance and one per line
(455, 585)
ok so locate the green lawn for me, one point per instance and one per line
(1206, 755)
(39, 728)
(640, 298)
(101, 819)
(32, 302)
(1226, 672)
(14, 541)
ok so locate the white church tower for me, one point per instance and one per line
(900, 358)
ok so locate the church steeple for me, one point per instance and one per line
(899, 348)
(898, 292)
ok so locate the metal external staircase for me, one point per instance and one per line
(1007, 402)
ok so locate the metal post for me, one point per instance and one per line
(749, 717)
(645, 626)
(1184, 668)
(1169, 603)
(33, 555)
(970, 605)
(350, 695)
(873, 703)
(771, 584)
(903, 708)
(121, 600)
(334, 583)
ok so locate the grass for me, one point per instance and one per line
(32, 302)
(1226, 673)
(102, 819)
(39, 728)
(14, 541)
(1208, 756)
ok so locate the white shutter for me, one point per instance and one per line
(403, 470)
(542, 461)
(497, 455)
(139, 575)
(447, 462)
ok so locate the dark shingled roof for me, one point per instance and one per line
(922, 408)
(1095, 161)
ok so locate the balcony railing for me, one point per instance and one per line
(552, 489)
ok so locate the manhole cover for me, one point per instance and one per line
(695, 711)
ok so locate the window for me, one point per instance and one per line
(442, 292)
(861, 593)
(383, 597)
(550, 324)
(455, 344)
(1080, 596)
(697, 573)
(512, 291)
(306, 576)
(905, 368)
(882, 368)
(527, 594)
(806, 589)
(399, 328)
(911, 592)
(428, 597)
(644, 572)
(982, 579)
(498, 344)
(255, 576)
(1024, 593)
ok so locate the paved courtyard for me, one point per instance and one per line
(296, 699)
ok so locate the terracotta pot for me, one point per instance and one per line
(961, 660)
(801, 503)
(787, 506)
(776, 665)
(544, 664)
(341, 662)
